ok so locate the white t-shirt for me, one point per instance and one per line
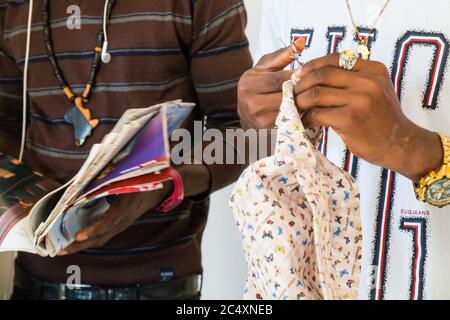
(406, 251)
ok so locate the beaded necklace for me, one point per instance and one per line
(79, 115)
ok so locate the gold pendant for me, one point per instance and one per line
(363, 50)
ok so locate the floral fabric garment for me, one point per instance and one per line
(299, 219)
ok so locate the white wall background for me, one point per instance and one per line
(5, 275)
(225, 269)
(224, 265)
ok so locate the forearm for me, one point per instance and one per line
(211, 170)
(419, 151)
(196, 179)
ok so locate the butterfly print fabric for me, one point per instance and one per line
(299, 218)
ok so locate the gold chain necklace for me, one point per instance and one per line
(363, 49)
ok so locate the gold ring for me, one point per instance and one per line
(347, 60)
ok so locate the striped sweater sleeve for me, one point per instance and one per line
(10, 97)
(219, 56)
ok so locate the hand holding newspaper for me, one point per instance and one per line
(38, 216)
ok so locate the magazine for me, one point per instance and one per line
(40, 216)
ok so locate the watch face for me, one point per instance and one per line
(438, 193)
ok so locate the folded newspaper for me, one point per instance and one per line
(39, 216)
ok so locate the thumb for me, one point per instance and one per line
(278, 60)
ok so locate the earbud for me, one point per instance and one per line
(106, 57)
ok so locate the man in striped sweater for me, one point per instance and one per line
(161, 50)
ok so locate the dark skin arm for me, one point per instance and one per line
(361, 106)
(128, 208)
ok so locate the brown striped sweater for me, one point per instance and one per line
(194, 50)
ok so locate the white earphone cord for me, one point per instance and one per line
(105, 12)
(25, 82)
(25, 72)
(106, 57)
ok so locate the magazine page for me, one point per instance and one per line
(148, 152)
(64, 202)
(112, 143)
(147, 182)
(127, 189)
(150, 146)
(63, 232)
(39, 218)
(18, 238)
(177, 113)
(127, 127)
(129, 124)
(20, 189)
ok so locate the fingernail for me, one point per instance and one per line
(62, 253)
(298, 43)
(81, 237)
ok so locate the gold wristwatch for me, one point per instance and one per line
(434, 188)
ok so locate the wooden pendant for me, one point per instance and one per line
(81, 119)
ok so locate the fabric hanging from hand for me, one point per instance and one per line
(299, 218)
